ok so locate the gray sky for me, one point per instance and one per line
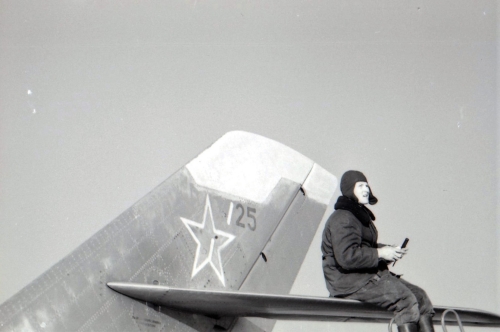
(101, 101)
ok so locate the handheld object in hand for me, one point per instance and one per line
(405, 242)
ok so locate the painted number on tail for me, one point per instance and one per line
(243, 219)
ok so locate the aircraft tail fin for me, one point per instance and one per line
(208, 226)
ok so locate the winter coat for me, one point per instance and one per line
(350, 257)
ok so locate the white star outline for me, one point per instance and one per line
(217, 266)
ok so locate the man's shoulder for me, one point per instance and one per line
(342, 217)
(341, 213)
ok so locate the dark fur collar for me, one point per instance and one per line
(360, 211)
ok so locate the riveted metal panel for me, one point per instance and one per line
(150, 243)
(282, 257)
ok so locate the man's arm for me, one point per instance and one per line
(346, 240)
(391, 253)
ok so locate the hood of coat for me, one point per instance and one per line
(347, 183)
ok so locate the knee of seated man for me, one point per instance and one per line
(422, 297)
(409, 301)
(419, 292)
(414, 313)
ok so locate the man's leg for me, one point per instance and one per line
(390, 293)
(424, 303)
(425, 306)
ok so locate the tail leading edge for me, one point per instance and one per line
(240, 216)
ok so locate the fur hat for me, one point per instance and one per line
(347, 183)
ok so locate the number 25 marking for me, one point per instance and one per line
(250, 214)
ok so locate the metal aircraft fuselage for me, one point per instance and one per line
(216, 246)
(185, 233)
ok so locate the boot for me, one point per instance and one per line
(425, 324)
(408, 327)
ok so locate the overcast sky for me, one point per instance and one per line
(100, 101)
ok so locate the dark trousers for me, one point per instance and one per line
(407, 301)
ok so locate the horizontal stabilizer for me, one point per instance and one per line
(295, 307)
